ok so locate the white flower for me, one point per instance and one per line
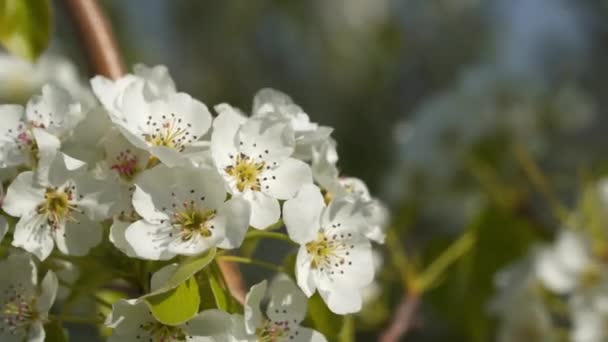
(132, 321)
(24, 306)
(326, 174)
(157, 84)
(184, 211)
(334, 258)
(169, 127)
(123, 163)
(254, 158)
(563, 266)
(519, 306)
(28, 134)
(19, 79)
(61, 208)
(273, 104)
(277, 320)
(588, 325)
(84, 141)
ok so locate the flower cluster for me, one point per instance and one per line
(558, 287)
(170, 179)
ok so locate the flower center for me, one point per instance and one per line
(169, 133)
(126, 165)
(193, 221)
(163, 333)
(321, 250)
(56, 206)
(246, 171)
(27, 144)
(272, 331)
(18, 312)
(329, 252)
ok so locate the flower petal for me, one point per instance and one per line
(284, 181)
(127, 316)
(308, 335)
(162, 276)
(54, 110)
(287, 302)
(237, 212)
(79, 236)
(301, 214)
(267, 140)
(208, 323)
(343, 301)
(48, 292)
(150, 241)
(304, 274)
(23, 195)
(159, 81)
(33, 234)
(224, 135)
(252, 311)
(117, 237)
(265, 210)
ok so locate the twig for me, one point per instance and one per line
(403, 320)
(105, 59)
(97, 37)
(234, 279)
(540, 182)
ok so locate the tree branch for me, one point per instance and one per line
(97, 37)
(105, 59)
(403, 320)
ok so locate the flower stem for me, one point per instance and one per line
(258, 234)
(243, 260)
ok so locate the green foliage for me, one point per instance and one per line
(322, 319)
(463, 296)
(179, 299)
(219, 289)
(25, 26)
(55, 332)
(177, 305)
(186, 269)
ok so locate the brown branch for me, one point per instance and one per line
(97, 37)
(234, 280)
(105, 59)
(403, 320)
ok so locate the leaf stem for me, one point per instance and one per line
(249, 261)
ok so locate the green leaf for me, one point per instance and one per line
(55, 332)
(177, 305)
(322, 319)
(221, 298)
(185, 270)
(25, 26)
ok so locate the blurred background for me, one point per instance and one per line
(445, 108)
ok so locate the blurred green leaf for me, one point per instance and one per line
(55, 332)
(322, 319)
(462, 297)
(347, 333)
(25, 26)
(218, 291)
(177, 305)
